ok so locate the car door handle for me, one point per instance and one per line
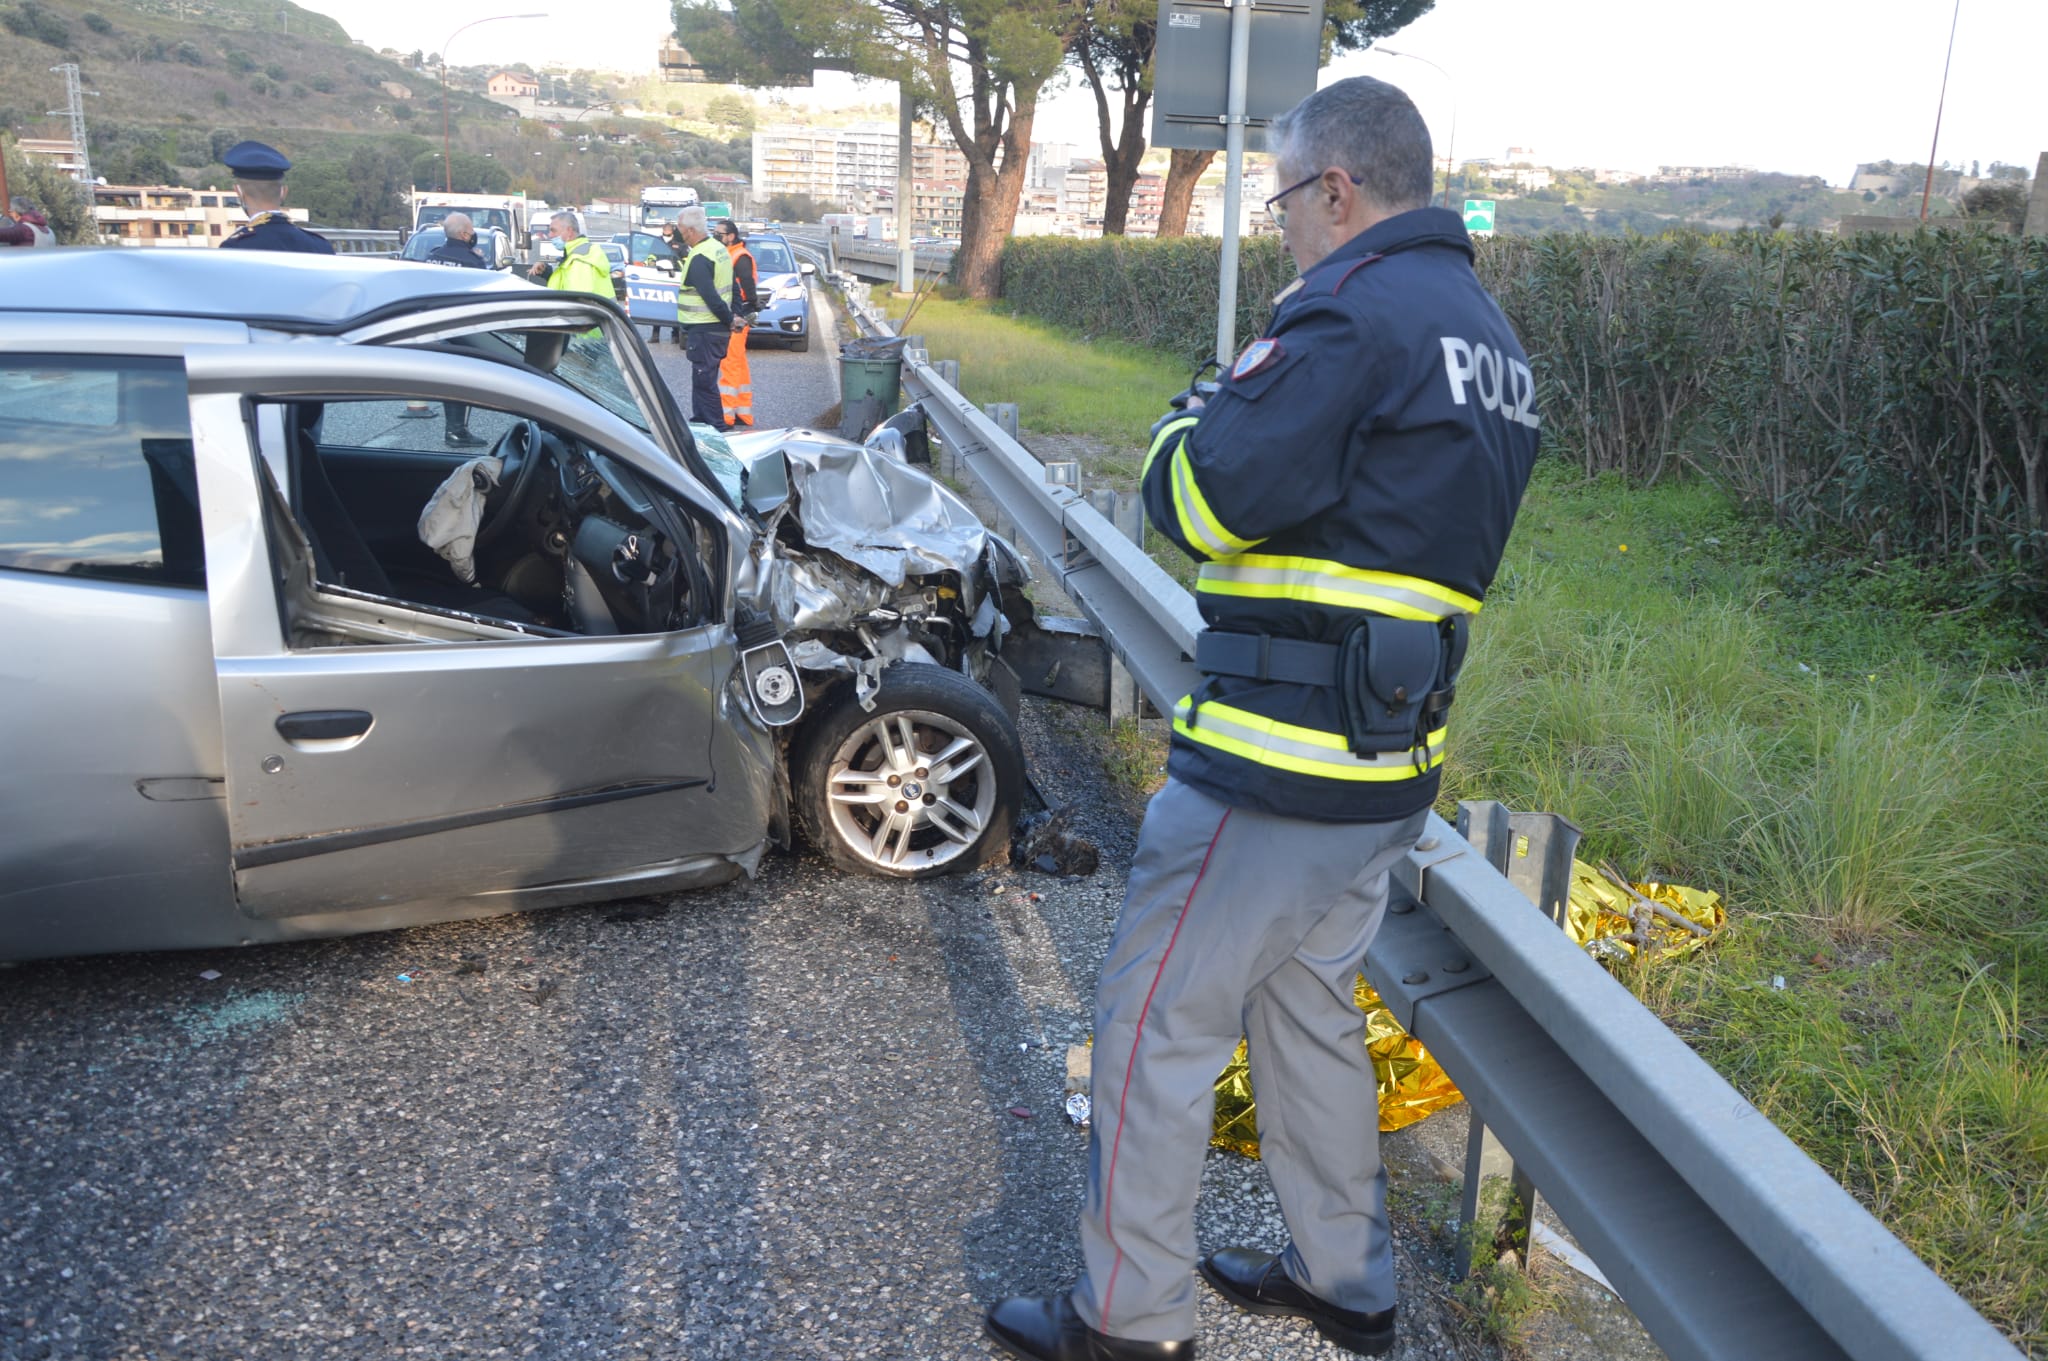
(324, 729)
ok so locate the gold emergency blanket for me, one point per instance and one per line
(1601, 919)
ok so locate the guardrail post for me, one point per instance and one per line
(1534, 851)
(1127, 513)
(1003, 414)
(948, 371)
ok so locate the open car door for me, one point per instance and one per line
(422, 763)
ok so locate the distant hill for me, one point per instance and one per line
(263, 67)
(177, 82)
(1763, 199)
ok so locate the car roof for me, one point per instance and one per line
(258, 286)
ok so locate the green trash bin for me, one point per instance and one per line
(871, 369)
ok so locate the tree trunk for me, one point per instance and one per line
(1121, 164)
(1120, 158)
(990, 211)
(1181, 175)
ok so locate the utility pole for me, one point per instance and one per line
(1234, 119)
(906, 254)
(74, 109)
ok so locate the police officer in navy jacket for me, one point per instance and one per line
(1348, 492)
(259, 182)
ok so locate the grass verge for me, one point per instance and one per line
(1858, 764)
(1864, 800)
(1105, 389)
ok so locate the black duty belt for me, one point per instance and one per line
(1394, 678)
(1262, 657)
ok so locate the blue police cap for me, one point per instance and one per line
(255, 161)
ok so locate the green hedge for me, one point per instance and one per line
(1157, 293)
(1891, 391)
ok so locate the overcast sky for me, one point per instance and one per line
(1805, 86)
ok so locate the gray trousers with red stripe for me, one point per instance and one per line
(1236, 923)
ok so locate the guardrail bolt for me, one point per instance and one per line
(1428, 843)
(1457, 966)
(1411, 979)
(1401, 908)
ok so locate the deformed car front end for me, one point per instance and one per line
(877, 578)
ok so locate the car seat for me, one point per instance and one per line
(342, 557)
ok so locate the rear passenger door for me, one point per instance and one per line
(110, 759)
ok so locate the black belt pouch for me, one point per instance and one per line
(1386, 668)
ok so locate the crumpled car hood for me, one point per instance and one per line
(880, 514)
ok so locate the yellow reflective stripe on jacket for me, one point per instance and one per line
(1198, 524)
(1304, 751)
(584, 269)
(691, 308)
(1266, 576)
(1168, 433)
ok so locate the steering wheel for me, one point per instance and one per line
(521, 450)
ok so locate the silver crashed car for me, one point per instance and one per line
(343, 595)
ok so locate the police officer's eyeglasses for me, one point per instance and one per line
(1277, 210)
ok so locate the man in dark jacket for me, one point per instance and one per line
(1348, 492)
(457, 251)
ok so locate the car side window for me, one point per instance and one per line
(96, 471)
(546, 535)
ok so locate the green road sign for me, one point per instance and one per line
(1479, 216)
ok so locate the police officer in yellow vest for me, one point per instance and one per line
(583, 267)
(704, 311)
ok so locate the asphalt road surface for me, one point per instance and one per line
(790, 388)
(772, 1119)
(802, 1116)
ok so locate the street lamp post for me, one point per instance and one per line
(448, 161)
(1451, 142)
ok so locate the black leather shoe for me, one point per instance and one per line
(1256, 1282)
(1050, 1330)
(461, 439)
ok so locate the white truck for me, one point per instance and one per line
(507, 213)
(659, 204)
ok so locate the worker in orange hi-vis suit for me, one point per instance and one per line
(735, 379)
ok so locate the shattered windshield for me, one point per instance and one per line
(592, 368)
(589, 364)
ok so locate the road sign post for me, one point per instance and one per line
(1479, 216)
(1218, 86)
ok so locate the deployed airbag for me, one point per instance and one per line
(448, 524)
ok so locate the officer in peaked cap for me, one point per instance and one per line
(259, 181)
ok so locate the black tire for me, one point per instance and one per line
(847, 774)
(802, 344)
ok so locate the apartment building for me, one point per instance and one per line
(165, 215)
(853, 168)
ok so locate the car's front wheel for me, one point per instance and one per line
(928, 782)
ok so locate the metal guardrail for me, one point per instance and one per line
(368, 241)
(1726, 1240)
(875, 262)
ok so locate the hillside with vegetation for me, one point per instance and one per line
(177, 82)
(1575, 202)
